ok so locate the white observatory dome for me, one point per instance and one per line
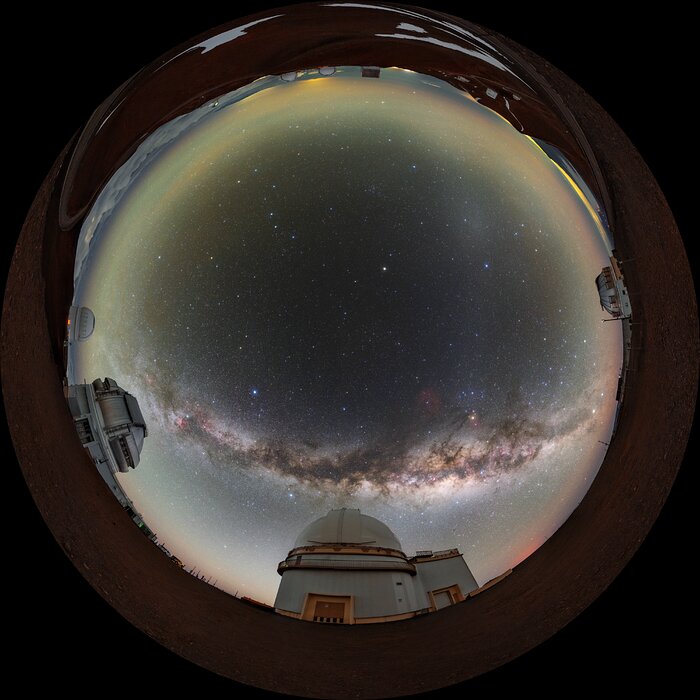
(349, 568)
(81, 323)
(348, 526)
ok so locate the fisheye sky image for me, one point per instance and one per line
(357, 292)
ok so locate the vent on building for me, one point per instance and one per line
(84, 432)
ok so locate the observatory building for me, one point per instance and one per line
(80, 325)
(613, 292)
(349, 568)
(109, 423)
(111, 427)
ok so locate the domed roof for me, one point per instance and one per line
(347, 526)
(85, 323)
(81, 323)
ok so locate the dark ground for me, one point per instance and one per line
(629, 636)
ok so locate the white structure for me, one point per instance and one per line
(349, 568)
(112, 429)
(109, 423)
(80, 325)
(291, 76)
(613, 292)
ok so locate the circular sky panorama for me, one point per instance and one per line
(350, 310)
(347, 290)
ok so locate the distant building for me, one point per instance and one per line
(349, 568)
(291, 76)
(109, 423)
(612, 291)
(80, 324)
(112, 429)
(370, 71)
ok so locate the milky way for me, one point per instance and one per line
(462, 450)
(351, 291)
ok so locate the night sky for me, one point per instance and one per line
(354, 292)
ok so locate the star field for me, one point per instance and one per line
(354, 292)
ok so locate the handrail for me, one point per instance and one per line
(347, 564)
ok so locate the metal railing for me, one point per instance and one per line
(347, 564)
